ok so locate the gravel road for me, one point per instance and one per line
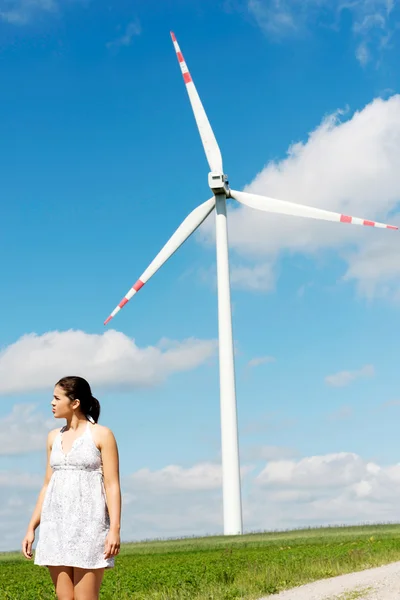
(381, 583)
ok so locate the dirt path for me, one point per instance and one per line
(381, 583)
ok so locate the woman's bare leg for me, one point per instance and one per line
(87, 583)
(63, 579)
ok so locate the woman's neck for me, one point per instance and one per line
(76, 422)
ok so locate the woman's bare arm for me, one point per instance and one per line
(109, 453)
(35, 519)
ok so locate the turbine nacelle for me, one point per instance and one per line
(219, 184)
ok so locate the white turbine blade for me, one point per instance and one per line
(284, 207)
(210, 144)
(185, 230)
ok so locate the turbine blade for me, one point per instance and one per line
(185, 230)
(210, 144)
(284, 207)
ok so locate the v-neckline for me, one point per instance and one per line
(73, 443)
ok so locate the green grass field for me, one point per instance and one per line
(220, 568)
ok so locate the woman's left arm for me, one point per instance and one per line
(109, 453)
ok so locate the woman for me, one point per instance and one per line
(79, 506)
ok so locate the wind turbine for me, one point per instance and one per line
(218, 183)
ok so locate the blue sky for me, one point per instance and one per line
(101, 161)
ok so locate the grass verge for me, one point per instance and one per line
(220, 568)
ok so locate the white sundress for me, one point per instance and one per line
(74, 520)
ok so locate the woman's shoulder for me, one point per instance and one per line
(51, 436)
(56, 430)
(102, 429)
(102, 434)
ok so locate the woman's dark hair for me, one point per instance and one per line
(77, 388)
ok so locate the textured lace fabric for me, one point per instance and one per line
(74, 520)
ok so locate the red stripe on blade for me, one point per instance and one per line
(345, 219)
(187, 78)
(138, 285)
(108, 320)
(123, 302)
(180, 57)
(369, 223)
(391, 227)
(173, 36)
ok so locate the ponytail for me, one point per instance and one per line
(94, 410)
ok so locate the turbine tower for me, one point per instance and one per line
(218, 183)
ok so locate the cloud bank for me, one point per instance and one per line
(113, 360)
(373, 21)
(287, 492)
(343, 378)
(349, 165)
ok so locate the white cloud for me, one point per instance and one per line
(331, 489)
(274, 17)
(258, 278)
(373, 20)
(303, 289)
(173, 478)
(36, 362)
(23, 431)
(344, 412)
(266, 453)
(375, 267)
(362, 54)
(343, 378)
(20, 480)
(330, 470)
(391, 403)
(243, 276)
(204, 476)
(347, 165)
(132, 30)
(260, 360)
(21, 12)
(264, 423)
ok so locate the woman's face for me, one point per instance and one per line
(62, 406)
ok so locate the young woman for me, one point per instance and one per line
(79, 506)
